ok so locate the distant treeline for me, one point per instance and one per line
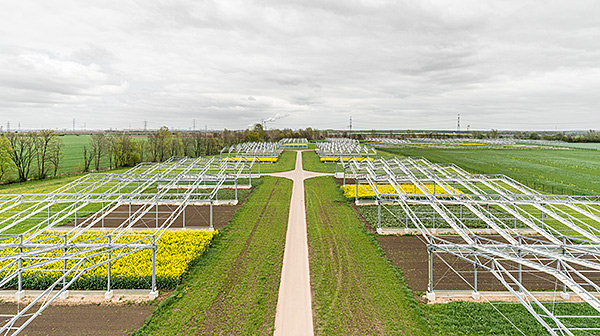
(38, 155)
(590, 136)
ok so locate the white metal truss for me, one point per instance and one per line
(565, 247)
(178, 182)
(343, 148)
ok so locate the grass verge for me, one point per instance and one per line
(233, 289)
(287, 161)
(311, 162)
(356, 291)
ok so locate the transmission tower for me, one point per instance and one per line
(145, 125)
(350, 124)
(458, 123)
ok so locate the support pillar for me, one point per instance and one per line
(153, 292)
(211, 215)
(109, 293)
(430, 293)
(20, 292)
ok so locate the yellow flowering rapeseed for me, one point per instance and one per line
(344, 158)
(176, 250)
(259, 158)
(365, 191)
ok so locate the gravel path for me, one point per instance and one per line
(294, 306)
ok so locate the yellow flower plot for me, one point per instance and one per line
(176, 250)
(365, 191)
(344, 158)
(258, 158)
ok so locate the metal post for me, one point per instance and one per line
(156, 207)
(430, 270)
(475, 278)
(48, 213)
(153, 263)
(129, 218)
(103, 214)
(378, 214)
(184, 210)
(236, 190)
(65, 263)
(20, 289)
(109, 265)
(356, 180)
(211, 214)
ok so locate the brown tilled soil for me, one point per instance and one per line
(409, 254)
(85, 319)
(195, 216)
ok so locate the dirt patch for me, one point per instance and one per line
(195, 216)
(88, 319)
(409, 254)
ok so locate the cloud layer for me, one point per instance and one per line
(388, 64)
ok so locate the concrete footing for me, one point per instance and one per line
(476, 296)
(430, 296)
(64, 295)
(565, 296)
(153, 295)
(109, 295)
(19, 295)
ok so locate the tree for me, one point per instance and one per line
(56, 155)
(98, 144)
(87, 159)
(44, 141)
(159, 143)
(494, 134)
(126, 150)
(175, 145)
(6, 164)
(22, 154)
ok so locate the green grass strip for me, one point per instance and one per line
(311, 162)
(233, 289)
(356, 291)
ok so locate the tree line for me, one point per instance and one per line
(38, 155)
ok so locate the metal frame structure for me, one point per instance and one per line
(344, 149)
(178, 182)
(565, 247)
(252, 151)
(293, 142)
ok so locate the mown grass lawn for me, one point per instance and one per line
(555, 171)
(233, 289)
(356, 291)
(311, 162)
(286, 161)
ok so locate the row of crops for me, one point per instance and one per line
(176, 252)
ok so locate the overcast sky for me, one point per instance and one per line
(388, 64)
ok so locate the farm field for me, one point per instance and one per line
(355, 290)
(233, 288)
(311, 162)
(287, 161)
(546, 170)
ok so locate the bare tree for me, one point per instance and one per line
(98, 144)
(22, 154)
(56, 155)
(44, 141)
(87, 159)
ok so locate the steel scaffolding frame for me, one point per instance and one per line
(178, 182)
(566, 246)
(344, 149)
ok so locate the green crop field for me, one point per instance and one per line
(355, 289)
(311, 162)
(547, 170)
(233, 289)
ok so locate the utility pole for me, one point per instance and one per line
(194, 123)
(73, 124)
(8, 126)
(458, 123)
(350, 124)
(205, 128)
(145, 125)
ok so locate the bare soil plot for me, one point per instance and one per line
(85, 319)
